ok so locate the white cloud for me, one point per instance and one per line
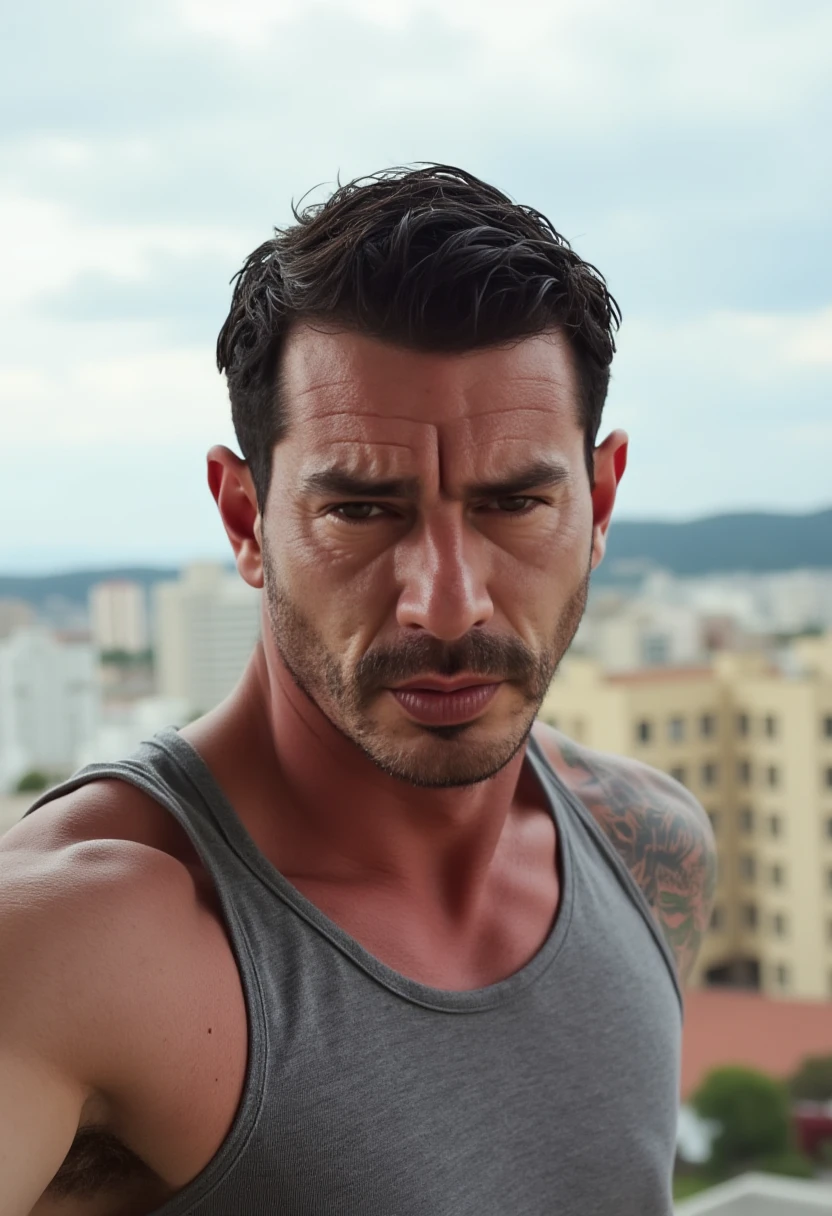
(599, 59)
(168, 396)
(810, 342)
(743, 347)
(52, 244)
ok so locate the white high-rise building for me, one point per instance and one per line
(206, 626)
(624, 635)
(48, 703)
(14, 615)
(118, 616)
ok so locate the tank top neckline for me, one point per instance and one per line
(187, 758)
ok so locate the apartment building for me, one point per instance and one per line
(753, 743)
(49, 702)
(206, 625)
(118, 616)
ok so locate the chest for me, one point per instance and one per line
(364, 1101)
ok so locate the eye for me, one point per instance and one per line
(356, 512)
(514, 504)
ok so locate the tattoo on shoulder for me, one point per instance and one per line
(662, 834)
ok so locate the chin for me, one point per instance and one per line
(445, 756)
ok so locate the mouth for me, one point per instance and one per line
(433, 701)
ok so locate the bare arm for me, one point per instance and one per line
(660, 831)
(73, 937)
(40, 1099)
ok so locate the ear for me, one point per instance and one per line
(610, 463)
(231, 483)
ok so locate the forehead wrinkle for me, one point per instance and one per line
(368, 443)
(493, 443)
(359, 414)
(344, 382)
(504, 411)
(525, 378)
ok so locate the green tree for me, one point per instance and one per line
(753, 1116)
(32, 782)
(813, 1080)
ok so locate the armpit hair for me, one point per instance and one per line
(97, 1161)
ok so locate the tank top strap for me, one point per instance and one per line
(591, 845)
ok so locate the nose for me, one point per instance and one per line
(441, 568)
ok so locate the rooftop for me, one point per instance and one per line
(761, 1195)
(774, 1036)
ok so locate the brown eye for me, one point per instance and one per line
(514, 504)
(356, 512)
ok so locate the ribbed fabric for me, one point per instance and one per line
(550, 1093)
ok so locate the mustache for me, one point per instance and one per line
(481, 654)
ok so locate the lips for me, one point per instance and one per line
(436, 702)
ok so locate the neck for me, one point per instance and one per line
(325, 812)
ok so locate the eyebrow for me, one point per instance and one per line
(540, 473)
(335, 481)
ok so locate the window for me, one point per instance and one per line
(749, 916)
(746, 820)
(714, 818)
(781, 974)
(770, 726)
(772, 775)
(829, 879)
(709, 773)
(777, 875)
(827, 726)
(676, 730)
(748, 867)
(775, 825)
(655, 650)
(829, 828)
(742, 725)
(829, 931)
(778, 924)
(744, 772)
(707, 726)
(679, 773)
(828, 780)
(717, 918)
(644, 731)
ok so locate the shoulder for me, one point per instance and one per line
(85, 916)
(661, 832)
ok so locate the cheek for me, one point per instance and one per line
(537, 576)
(349, 602)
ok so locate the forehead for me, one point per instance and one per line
(344, 389)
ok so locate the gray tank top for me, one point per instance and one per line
(550, 1093)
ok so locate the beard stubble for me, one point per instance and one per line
(345, 698)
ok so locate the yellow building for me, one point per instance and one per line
(754, 746)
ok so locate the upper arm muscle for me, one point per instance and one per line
(39, 1113)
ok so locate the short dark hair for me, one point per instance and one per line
(429, 258)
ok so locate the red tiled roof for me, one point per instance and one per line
(774, 1036)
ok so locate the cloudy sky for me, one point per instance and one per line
(146, 148)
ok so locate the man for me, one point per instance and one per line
(366, 938)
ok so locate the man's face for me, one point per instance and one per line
(427, 544)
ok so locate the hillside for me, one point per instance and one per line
(754, 542)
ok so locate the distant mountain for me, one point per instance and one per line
(73, 586)
(753, 542)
